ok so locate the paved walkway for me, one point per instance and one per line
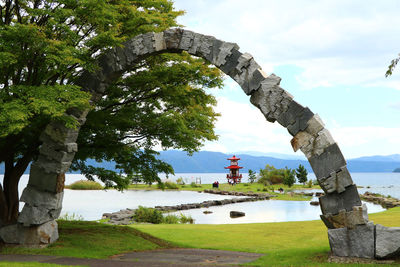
(161, 257)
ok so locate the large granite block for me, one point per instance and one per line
(222, 51)
(46, 181)
(300, 123)
(387, 241)
(159, 42)
(229, 68)
(347, 219)
(60, 133)
(358, 242)
(337, 181)
(289, 117)
(173, 38)
(331, 160)
(57, 155)
(38, 198)
(31, 215)
(335, 202)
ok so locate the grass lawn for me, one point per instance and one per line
(285, 244)
(84, 239)
(32, 264)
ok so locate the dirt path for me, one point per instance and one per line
(161, 257)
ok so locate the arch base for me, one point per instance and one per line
(33, 236)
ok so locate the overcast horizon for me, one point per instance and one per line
(332, 57)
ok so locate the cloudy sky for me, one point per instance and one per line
(331, 56)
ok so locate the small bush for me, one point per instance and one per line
(161, 186)
(315, 182)
(171, 219)
(194, 185)
(85, 185)
(265, 189)
(171, 185)
(246, 184)
(309, 183)
(180, 181)
(186, 219)
(148, 215)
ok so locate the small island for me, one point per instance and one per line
(396, 170)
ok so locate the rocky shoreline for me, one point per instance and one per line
(385, 202)
(124, 217)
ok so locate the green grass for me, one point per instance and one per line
(285, 244)
(32, 264)
(85, 185)
(93, 240)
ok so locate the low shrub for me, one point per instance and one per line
(309, 183)
(186, 219)
(180, 181)
(161, 186)
(85, 185)
(194, 185)
(246, 184)
(265, 189)
(149, 215)
(171, 219)
(171, 185)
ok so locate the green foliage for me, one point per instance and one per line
(185, 219)
(315, 182)
(162, 100)
(71, 217)
(171, 185)
(301, 174)
(309, 183)
(161, 186)
(180, 181)
(392, 66)
(252, 176)
(148, 215)
(171, 219)
(271, 175)
(84, 185)
(289, 177)
(194, 185)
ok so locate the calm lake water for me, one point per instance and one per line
(92, 204)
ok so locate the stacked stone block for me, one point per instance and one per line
(349, 232)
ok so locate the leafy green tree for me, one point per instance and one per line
(252, 176)
(271, 175)
(45, 45)
(301, 174)
(289, 177)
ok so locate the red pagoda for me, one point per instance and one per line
(234, 177)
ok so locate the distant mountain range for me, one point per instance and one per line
(214, 162)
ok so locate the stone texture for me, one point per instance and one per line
(289, 117)
(236, 214)
(52, 166)
(31, 215)
(61, 134)
(222, 52)
(300, 123)
(358, 242)
(159, 41)
(333, 203)
(348, 219)
(173, 38)
(245, 70)
(229, 68)
(43, 180)
(387, 241)
(44, 199)
(331, 160)
(10, 234)
(336, 181)
(44, 234)
(300, 140)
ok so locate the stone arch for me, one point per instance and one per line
(342, 211)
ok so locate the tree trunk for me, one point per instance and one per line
(9, 195)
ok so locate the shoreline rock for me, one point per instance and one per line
(124, 217)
